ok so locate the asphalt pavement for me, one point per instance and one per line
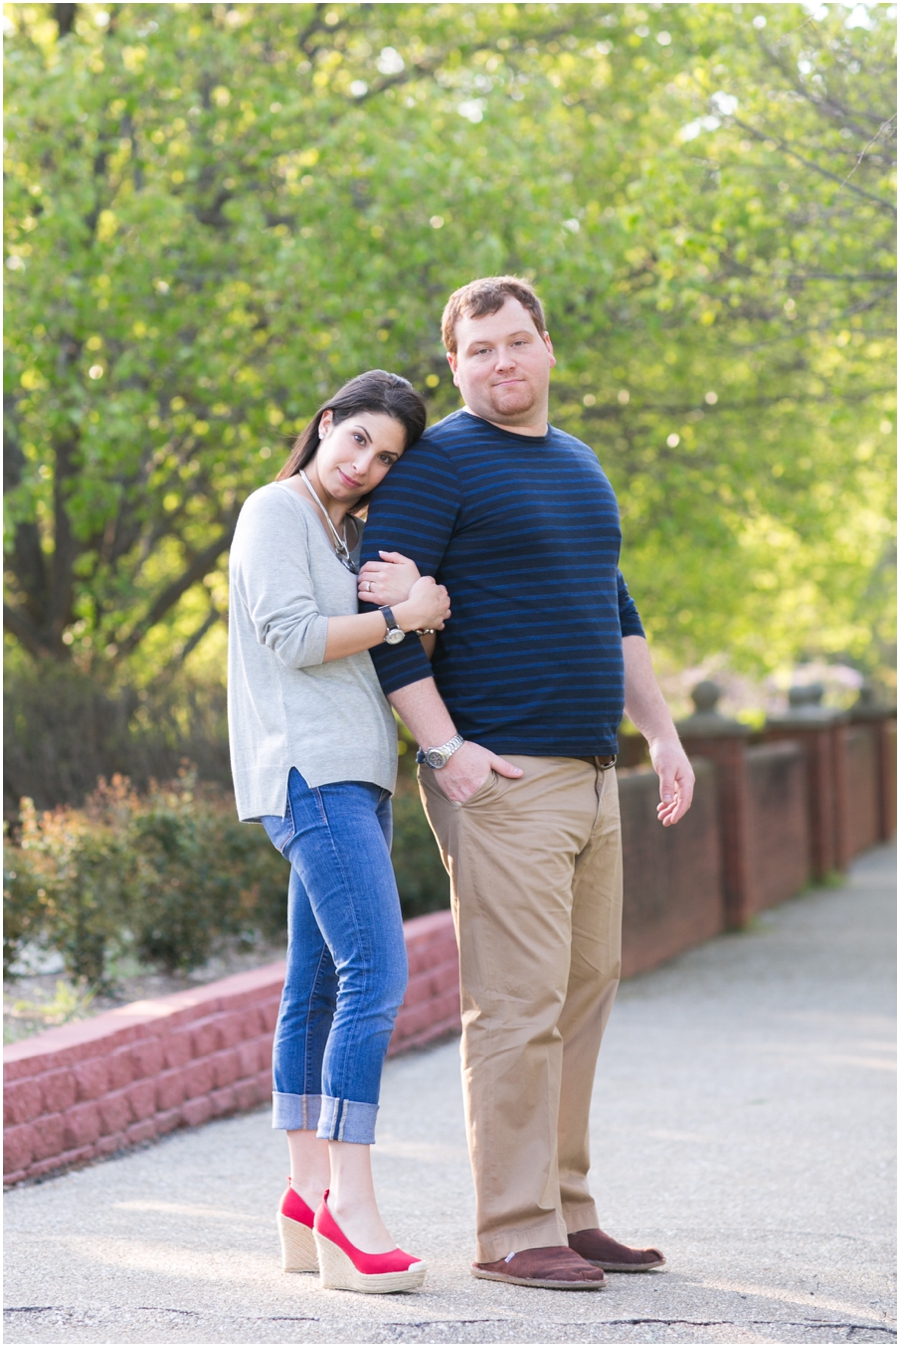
(743, 1121)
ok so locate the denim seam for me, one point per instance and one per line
(307, 1047)
(289, 814)
(339, 861)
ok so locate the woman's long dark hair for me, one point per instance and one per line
(374, 391)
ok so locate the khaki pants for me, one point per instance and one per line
(535, 867)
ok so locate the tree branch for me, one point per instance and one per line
(27, 633)
(810, 163)
(211, 620)
(173, 592)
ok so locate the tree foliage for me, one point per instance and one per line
(217, 213)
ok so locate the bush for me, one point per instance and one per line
(170, 876)
(422, 881)
(64, 886)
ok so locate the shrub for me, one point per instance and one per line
(170, 875)
(421, 878)
(65, 885)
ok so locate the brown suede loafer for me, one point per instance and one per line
(607, 1253)
(555, 1268)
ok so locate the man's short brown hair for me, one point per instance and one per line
(488, 296)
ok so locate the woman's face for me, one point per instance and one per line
(356, 454)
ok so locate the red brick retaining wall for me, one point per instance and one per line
(779, 842)
(673, 876)
(861, 813)
(90, 1089)
(87, 1090)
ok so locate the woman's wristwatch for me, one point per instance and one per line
(439, 757)
(394, 634)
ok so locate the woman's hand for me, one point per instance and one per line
(428, 605)
(388, 581)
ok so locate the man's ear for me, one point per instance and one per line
(451, 361)
(549, 345)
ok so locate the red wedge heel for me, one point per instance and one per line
(343, 1267)
(295, 1226)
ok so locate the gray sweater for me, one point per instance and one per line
(285, 707)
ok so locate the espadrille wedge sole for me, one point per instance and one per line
(298, 1246)
(338, 1273)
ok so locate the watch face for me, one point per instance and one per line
(435, 758)
(394, 636)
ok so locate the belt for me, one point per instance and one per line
(603, 763)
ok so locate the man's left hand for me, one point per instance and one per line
(676, 780)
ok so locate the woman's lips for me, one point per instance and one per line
(348, 481)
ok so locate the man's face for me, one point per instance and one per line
(502, 366)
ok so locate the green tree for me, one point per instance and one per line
(216, 213)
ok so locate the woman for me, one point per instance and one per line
(313, 748)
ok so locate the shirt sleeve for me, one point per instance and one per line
(270, 574)
(629, 617)
(414, 512)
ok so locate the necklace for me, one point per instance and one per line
(340, 544)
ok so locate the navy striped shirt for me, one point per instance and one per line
(524, 532)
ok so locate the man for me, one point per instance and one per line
(518, 717)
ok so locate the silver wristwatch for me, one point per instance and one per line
(394, 634)
(439, 757)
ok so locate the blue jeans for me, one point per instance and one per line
(346, 959)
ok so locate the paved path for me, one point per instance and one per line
(743, 1120)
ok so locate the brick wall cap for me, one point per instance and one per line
(433, 923)
(633, 778)
(778, 748)
(808, 718)
(710, 725)
(119, 1026)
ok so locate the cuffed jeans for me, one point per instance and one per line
(346, 959)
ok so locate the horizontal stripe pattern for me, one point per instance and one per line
(524, 532)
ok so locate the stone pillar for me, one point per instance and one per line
(709, 734)
(883, 722)
(821, 732)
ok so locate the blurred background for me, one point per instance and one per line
(217, 213)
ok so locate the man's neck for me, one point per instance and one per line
(535, 430)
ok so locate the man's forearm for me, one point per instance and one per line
(644, 703)
(422, 710)
(647, 709)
